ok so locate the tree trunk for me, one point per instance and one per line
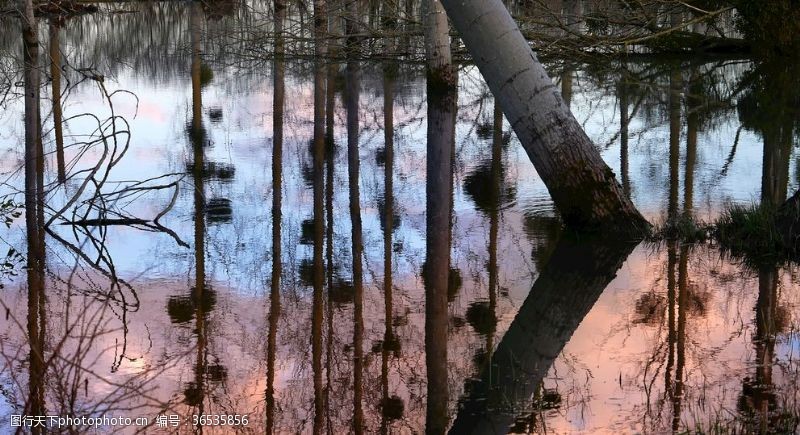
(761, 390)
(277, 192)
(34, 218)
(320, 75)
(357, 242)
(674, 109)
(438, 189)
(30, 56)
(437, 44)
(624, 121)
(442, 96)
(388, 229)
(55, 73)
(582, 186)
(196, 394)
(351, 99)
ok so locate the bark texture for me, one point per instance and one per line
(438, 57)
(582, 186)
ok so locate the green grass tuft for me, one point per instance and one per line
(751, 232)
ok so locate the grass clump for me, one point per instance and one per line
(684, 228)
(752, 232)
(760, 234)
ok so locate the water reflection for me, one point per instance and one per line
(278, 103)
(36, 330)
(207, 370)
(391, 406)
(319, 216)
(55, 85)
(438, 204)
(486, 322)
(317, 308)
(769, 107)
(565, 291)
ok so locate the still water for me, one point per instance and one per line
(226, 301)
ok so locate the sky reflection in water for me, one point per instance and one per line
(636, 335)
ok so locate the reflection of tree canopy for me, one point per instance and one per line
(181, 308)
(219, 210)
(482, 318)
(709, 88)
(650, 308)
(307, 232)
(454, 281)
(761, 411)
(771, 97)
(194, 393)
(341, 291)
(771, 24)
(382, 215)
(213, 171)
(479, 186)
(392, 408)
(542, 230)
(545, 399)
(150, 37)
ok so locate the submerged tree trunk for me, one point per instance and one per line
(582, 186)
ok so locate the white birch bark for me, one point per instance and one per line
(436, 31)
(582, 186)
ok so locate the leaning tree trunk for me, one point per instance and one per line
(582, 186)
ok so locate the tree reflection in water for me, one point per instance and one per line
(121, 315)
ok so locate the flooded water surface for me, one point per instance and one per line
(235, 227)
